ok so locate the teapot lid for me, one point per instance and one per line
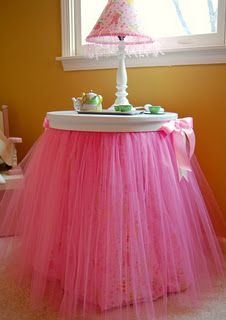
(90, 94)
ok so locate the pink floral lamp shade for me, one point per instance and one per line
(119, 21)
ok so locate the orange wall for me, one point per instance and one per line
(32, 83)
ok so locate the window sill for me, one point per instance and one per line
(192, 56)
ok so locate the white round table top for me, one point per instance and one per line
(71, 120)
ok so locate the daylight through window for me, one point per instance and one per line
(185, 27)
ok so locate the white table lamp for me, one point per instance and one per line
(119, 26)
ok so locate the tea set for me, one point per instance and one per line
(91, 102)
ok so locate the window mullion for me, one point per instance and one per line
(65, 28)
(77, 26)
(71, 27)
(221, 20)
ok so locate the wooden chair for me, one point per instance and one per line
(10, 174)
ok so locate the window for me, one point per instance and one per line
(190, 32)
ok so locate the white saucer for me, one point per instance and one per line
(156, 113)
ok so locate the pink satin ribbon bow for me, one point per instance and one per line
(46, 123)
(183, 142)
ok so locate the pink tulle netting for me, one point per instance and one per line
(102, 227)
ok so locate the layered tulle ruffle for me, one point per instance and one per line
(105, 227)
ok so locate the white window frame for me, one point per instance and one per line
(187, 51)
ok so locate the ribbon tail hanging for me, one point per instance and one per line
(182, 157)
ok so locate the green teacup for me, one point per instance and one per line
(155, 109)
(123, 108)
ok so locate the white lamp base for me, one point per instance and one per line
(121, 86)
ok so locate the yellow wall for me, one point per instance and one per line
(32, 83)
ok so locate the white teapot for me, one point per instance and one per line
(88, 102)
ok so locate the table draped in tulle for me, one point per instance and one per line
(105, 226)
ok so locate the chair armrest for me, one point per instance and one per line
(15, 139)
(11, 181)
(2, 180)
(14, 171)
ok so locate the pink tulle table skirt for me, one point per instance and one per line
(106, 227)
